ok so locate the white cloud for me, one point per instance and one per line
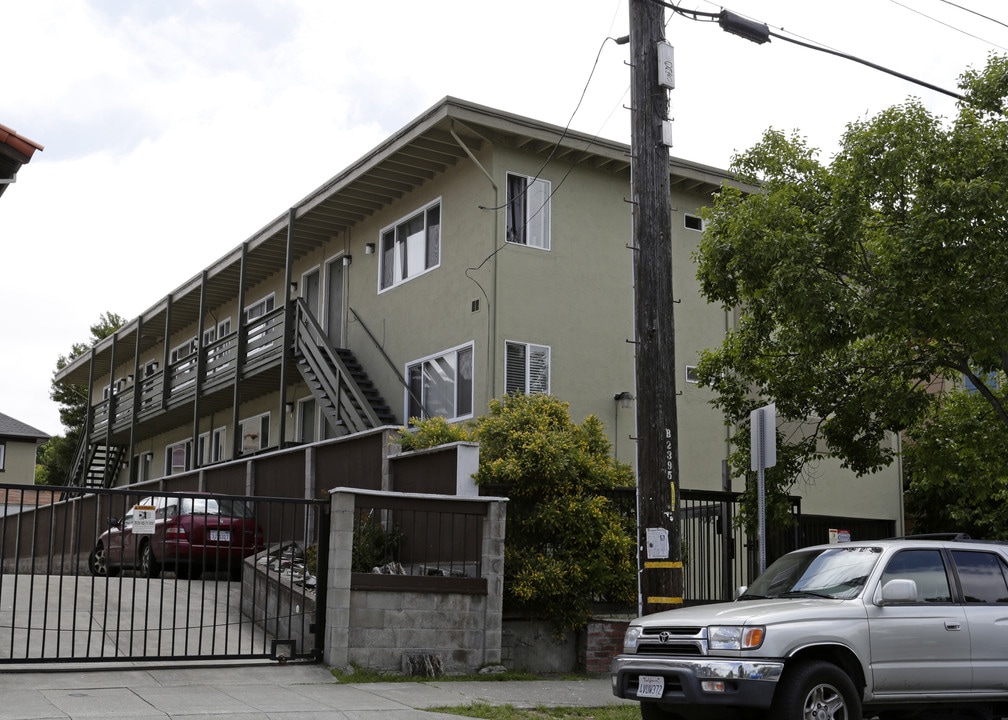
(176, 129)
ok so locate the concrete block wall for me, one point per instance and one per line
(386, 626)
(378, 629)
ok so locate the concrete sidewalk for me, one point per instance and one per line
(261, 692)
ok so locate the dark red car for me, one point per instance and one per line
(187, 534)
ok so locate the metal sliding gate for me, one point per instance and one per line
(133, 575)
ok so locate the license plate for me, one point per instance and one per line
(650, 686)
(220, 535)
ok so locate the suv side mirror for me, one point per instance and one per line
(741, 591)
(900, 590)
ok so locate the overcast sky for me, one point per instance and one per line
(175, 129)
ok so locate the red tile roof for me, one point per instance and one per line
(18, 143)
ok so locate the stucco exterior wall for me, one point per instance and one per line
(19, 462)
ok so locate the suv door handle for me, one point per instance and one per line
(952, 625)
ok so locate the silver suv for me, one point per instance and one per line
(893, 628)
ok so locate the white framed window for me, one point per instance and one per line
(528, 211)
(150, 367)
(691, 376)
(693, 222)
(218, 355)
(526, 368)
(441, 385)
(257, 330)
(255, 433)
(218, 446)
(177, 457)
(183, 351)
(3, 455)
(211, 446)
(410, 247)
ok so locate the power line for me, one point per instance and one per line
(945, 24)
(760, 33)
(985, 17)
(868, 63)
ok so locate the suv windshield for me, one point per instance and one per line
(836, 573)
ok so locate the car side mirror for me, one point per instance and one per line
(741, 591)
(900, 590)
(114, 522)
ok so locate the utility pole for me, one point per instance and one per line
(659, 547)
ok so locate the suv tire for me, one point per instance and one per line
(816, 690)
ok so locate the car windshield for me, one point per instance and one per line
(216, 506)
(836, 573)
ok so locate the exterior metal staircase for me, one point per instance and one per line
(346, 395)
(96, 465)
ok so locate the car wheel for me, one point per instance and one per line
(148, 566)
(816, 691)
(98, 563)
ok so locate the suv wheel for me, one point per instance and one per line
(816, 691)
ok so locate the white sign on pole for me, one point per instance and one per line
(763, 436)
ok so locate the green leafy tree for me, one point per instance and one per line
(859, 283)
(56, 456)
(957, 465)
(567, 545)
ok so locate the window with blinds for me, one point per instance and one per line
(526, 368)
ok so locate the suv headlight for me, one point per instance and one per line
(633, 633)
(734, 637)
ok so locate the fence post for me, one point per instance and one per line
(337, 624)
(493, 569)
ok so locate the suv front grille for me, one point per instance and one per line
(673, 641)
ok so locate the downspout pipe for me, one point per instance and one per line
(492, 310)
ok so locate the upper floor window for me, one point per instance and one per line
(411, 247)
(3, 455)
(258, 309)
(528, 211)
(441, 385)
(526, 368)
(177, 457)
(212, 446)
(255, 433)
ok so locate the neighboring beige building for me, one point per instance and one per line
(473, 253)
(18, 444)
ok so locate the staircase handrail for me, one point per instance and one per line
(79, 465)
(304, 319)
(388, 360)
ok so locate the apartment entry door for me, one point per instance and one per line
(333, 322)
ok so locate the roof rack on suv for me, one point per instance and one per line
(936, 536)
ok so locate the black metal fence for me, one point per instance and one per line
(126, 575)
(430, 544)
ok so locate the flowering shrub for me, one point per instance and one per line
(566, 545)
